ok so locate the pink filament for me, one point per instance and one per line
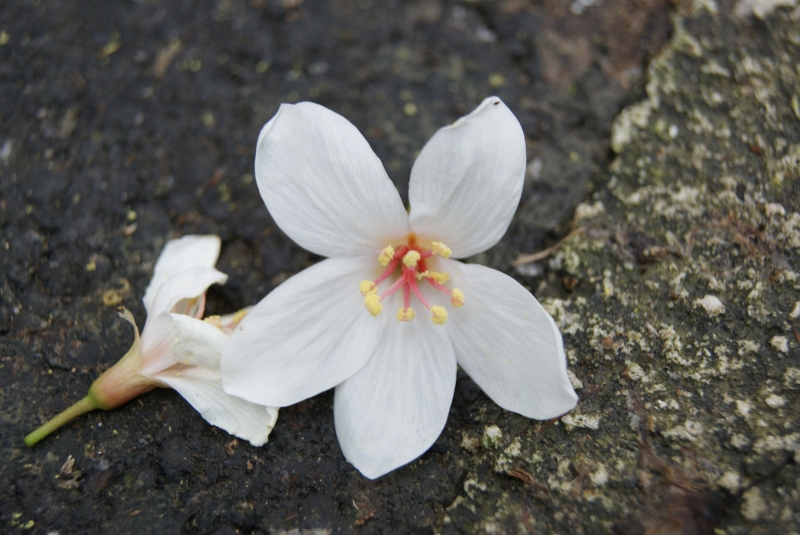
(388, 271)
(396, 286)
(438, 286)
(408, 279)
(412, 283)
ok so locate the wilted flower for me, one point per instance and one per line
(395, 375)
(177, 349)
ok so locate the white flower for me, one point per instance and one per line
(395, 379)
(177, 349)
(183, 351)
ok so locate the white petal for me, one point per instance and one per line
(392, 411)
(466, 183)
(324, 186)
(181, 255)
(310, 334)
(156, 344)
(508, 344)
(193, 306)
(202, 388)
(197, 343)
(187, 284)
(173, 339)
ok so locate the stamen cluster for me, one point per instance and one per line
(411, 259)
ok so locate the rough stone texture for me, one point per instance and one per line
(680, 327)
(124, 124)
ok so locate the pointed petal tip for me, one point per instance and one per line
(466, 183)
(486, 103)
(373, 468)
(268, 126)
(373, 472)
(221, 278)
(125, 314)
(393, 410)
(509, 345)
(567, 403)
(263, 438)
(284, 109)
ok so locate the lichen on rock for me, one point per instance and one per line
(680, 329)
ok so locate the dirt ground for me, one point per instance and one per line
(124, 124)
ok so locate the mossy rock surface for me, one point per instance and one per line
(681, 322)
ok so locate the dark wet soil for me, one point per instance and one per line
(124, 124)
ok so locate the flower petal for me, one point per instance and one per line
(508, 344)
(181, 255)
(202, 388)
(466, 183)
(178, 339)
(156, 344)
(187, 284)
(197, 343)
(324, 186)
(393, 409)
(308, 335)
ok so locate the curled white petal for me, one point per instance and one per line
(394, 408)
(324, 186)
(188, 284)
(185, 254)
(177, 339)
(197, 343)
(466, 183)
(202, 388)
(156, 344)
(308, 335)
(508, 344)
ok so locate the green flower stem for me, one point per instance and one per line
(83, 406)
(116, 386)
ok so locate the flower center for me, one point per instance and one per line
(411, 259)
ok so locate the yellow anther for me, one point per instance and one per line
(386, 255)
(238, 316)
(373, 303)
(441, 249)
(439, 315)
(457, 298)
(411, 258)
(367, 287)
(406, 314)
(216, 321)
(441, 278)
